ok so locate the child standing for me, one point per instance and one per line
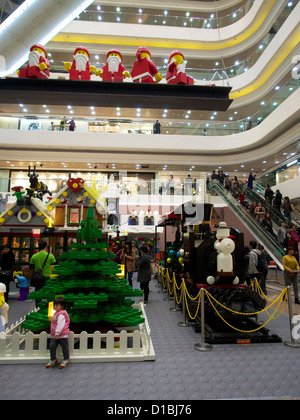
(59, 333)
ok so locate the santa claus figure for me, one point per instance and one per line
(38, 65)
(113, 70)
(176, 70)
(144, 70)
(80, 69)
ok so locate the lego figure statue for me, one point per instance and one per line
(144, 69)
(224, 245)
(176, 70)
(113, 70)
(3, 309)
(80, 68)
(37, 188)
(24, 284)
(38, 65)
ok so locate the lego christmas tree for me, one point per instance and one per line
(90, 282)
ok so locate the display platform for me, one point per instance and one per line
(112, 94)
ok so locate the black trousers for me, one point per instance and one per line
(145, 288)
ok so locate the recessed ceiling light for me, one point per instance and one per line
(69, 106)
(165, 12)
(24, 110)
(44, 106)
(21, 105)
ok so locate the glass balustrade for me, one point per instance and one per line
(138, 126)
(175, 18)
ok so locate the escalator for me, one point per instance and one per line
(259, 233)
(258, 196)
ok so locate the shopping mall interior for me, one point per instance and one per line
(210, 124)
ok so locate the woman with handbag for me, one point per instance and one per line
(291, 270)
(7, 261)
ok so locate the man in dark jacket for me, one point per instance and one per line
(144, 271)
(277, 200)
(269, 195)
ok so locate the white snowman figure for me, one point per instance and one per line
(224, 245)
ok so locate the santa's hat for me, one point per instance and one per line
(41, 47)
(140, 50)
(176, 52)
(114, 51)
(82, 49)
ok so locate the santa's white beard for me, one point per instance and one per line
(80, 61)
(34, 58)
(113, 63)
(181, 68)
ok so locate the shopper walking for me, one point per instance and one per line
(128, 257)
(277, 200)
(253, 261)
(144, 271)
(264, 259)
(250, 181)
(156, 127)
(72, 125)
(281, 233)
(291, 270)
(287, 209)
(62, 124)
(7, 261)
(59, 333)
(42, 261)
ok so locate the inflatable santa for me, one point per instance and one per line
(80, 68)
(113, 70)
(144, 70)
(38, 65)
(176, 70)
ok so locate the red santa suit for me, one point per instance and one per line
(34, 59)
(143, 69)
(80, 69)
(176, 73)
(113, 69)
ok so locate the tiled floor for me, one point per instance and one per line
(229, 371)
